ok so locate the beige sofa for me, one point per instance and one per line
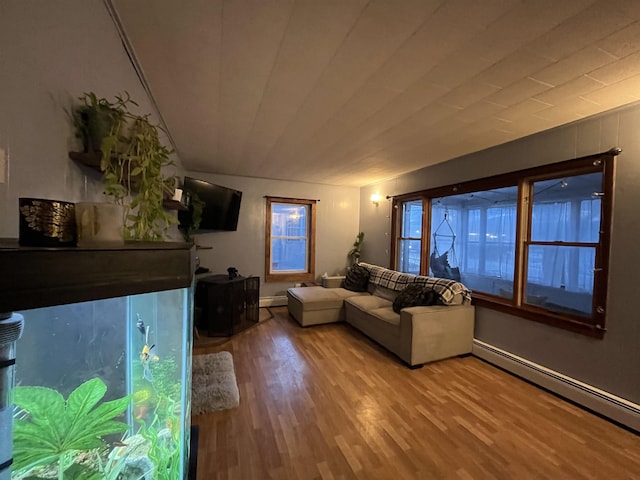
(417, 335)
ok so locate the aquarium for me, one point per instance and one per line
(101, 388)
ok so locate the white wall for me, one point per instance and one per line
(53, 52)
(611, 364)
(50, 54)
(336, 227)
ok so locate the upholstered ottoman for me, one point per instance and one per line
(316, 305)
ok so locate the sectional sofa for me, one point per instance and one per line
(417, 335)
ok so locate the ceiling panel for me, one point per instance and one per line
(314, 34)
(252, 33)
(171, 41)
(350, 92)
(380, 30)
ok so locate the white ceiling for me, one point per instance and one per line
(350, 92)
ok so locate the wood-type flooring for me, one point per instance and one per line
(324, 402)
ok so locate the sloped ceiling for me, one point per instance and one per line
(350, 92)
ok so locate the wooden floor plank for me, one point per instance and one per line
(326, 403)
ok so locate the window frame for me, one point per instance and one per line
(395, 245)
(309, 275)
(603, 162)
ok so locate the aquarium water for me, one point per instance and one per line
(102, 389)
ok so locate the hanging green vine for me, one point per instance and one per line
(132, 162)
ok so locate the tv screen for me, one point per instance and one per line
(221, 206)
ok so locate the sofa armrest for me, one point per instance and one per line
(436, 332)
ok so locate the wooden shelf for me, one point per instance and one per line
(90, 159)
(93, 159)
(169, 204)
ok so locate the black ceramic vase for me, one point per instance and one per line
(47, 223)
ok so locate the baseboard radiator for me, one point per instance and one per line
(604, 403)
(276, 301)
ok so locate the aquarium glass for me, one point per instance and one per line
(103, 389)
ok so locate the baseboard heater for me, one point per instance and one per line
(276, 301)
(616, 408)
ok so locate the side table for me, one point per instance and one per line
(226, 307)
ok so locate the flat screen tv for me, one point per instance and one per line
(220, 210)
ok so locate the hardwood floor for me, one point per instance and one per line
(325, 402)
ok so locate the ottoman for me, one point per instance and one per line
(316, 305)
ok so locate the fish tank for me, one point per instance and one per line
(100, 362)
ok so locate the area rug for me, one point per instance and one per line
(214, 384)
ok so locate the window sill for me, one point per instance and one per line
(539, 314)
(288, 277)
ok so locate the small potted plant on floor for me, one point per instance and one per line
(354, 253)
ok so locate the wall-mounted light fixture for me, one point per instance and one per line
(375, 198)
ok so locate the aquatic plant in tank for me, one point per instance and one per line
(102, 390)
(49, 430)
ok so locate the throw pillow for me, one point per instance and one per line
(414, 295)
(356, 279)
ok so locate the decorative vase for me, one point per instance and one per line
(99, 224)
(47, 223)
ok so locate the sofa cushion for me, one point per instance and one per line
(376, 307)
(386, 314)
(357, 279)
(368, 302)
(414, 295)
(317, 298)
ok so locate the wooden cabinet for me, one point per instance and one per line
(225, 307)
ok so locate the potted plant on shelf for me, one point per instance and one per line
(93, 121)
(195, 206)
(132, 160)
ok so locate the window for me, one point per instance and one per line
(410, 241)
(475, 234)
(563, 242)
(290, 240)
(534, 243)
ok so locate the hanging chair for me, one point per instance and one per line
(440, 264)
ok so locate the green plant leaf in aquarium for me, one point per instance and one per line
(81, 472)
(44, 405)
(54, 427)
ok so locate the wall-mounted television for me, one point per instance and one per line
(221, 206)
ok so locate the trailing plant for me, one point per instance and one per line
(49, 429)
(195, 207)
(132, 160)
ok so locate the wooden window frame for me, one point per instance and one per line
(397, 223)
(309, 275)
(604, 162)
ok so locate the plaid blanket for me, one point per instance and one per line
(450, 291)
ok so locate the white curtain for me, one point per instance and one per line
(485, 241)
(567, 267)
